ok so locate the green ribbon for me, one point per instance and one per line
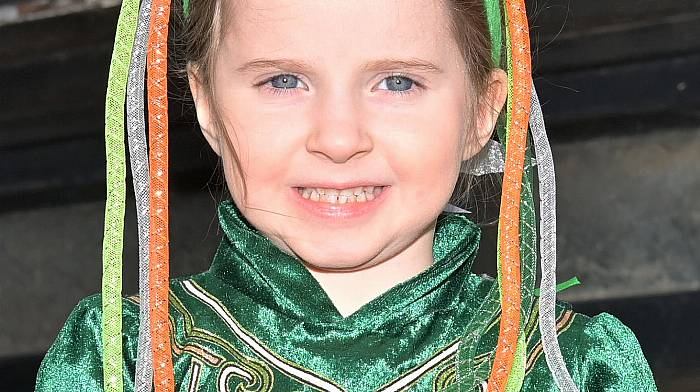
(113, 241)
(493, 16)
(186, 8)
(564, 285)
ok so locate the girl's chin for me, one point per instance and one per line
(329, 248)
(329, 259)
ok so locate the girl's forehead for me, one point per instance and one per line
(339, 27)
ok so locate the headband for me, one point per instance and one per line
(147, 30)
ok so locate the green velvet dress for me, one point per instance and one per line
(258, 321)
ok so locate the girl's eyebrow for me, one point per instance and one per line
(409, 64)
(281, 64)
(413, 64)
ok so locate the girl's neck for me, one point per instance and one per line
(350, 290)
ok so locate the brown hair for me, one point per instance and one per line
(202, 34)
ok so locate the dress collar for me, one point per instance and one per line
(253, 265)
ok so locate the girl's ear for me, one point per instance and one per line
(201, 104)
(490, 107)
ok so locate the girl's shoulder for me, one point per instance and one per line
(600, 351)
(75, 357)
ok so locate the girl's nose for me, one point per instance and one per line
(338, 133)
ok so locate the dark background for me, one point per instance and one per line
(620, 88)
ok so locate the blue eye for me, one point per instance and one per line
(285, 81)
(397, 83)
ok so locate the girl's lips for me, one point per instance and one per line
(335, 211)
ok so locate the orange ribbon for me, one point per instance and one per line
(510, 199)
(163, 376)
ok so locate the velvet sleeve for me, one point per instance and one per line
(74, 361)
(612, 358)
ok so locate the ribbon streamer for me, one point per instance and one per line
(494, 19)
(113, 241)
(509, 224)
(163, 375)
(136, 129)
(528, 270)
(548, 250)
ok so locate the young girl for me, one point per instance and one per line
(342, 127)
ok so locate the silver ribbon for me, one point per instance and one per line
(138, 152)
(548, 249)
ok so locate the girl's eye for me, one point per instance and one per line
(285, 81)
(283, 84)
(397, 83)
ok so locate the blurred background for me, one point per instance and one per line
(620, 88)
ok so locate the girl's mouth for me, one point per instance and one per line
(358, 194)
(331, 204)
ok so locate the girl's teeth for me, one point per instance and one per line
(351, 195)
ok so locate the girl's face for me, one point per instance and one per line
(345, 96)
